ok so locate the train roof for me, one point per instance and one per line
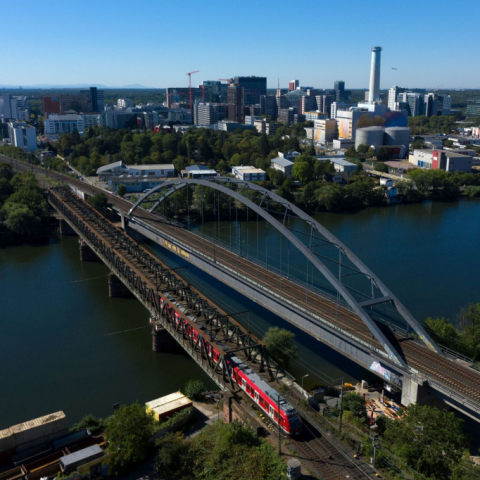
(262, 385)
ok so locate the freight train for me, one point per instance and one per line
(266, 397)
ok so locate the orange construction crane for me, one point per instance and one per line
(190, 88)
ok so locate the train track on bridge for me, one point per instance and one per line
(443, 373)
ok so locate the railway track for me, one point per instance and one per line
(447, 372)
(325, 458)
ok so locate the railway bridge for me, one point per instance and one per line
(339, 301)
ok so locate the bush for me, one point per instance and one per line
(194, 389)
(94, 424)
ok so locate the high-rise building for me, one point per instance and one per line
(209, 113)
(236, 102)
(268, 106)
(293, 85)
(23, 136)
(253, 88)
(415, 102)
(473, 107)
(182, 95)
(293, 100)
(393, 96)
(97, 99)
(341, 95)
(285, 115)
(9, 106)
(214, 91)
(374, 90)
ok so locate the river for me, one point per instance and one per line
(65, 345)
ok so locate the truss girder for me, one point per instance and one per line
(218, 183)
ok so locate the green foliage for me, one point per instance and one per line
(418, 144)
(121, 190)
(98, 201)
(194, 389)
(220, 452)
(94, 424)
(176, 421)
(381, 167)
(435, 124)
(466, 338)
(384, 154)
(280, 346)
(24, 210)
(355, 403)
(471, 191)
(128, 432)
(429, 440)
(6, 171)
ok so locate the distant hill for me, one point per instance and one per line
(79, 85)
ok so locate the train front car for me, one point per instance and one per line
(293, 419)
(266, 397)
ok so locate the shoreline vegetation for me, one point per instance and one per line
(24, 212)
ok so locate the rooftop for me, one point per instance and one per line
(283, 162)
(338, 161)
(248, 169)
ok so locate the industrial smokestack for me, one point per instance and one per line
(374, 92)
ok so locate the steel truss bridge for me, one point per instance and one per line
(164, 294)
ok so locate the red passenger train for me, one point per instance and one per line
(266, 397)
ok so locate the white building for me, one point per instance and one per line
(340, 164)
(136, 171)
(325, 131)
(59, 124)
(124, 103)
(23, 136)
(249, 173)
(92, 120)
(283, 165)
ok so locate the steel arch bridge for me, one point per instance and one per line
(260, 201)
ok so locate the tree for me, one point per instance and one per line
(351, 152)
(329, 197)
(98, 201)
(418, 144)
(6, 171)
(355, 403)
(128, 432)
(172, 456)
(94, 424)
(194, 389)
(121, 190)
(384, 154)
(381, 167)
(371, 152)
(20, 220)
(303, 171)
(280, 346)
(429, 440)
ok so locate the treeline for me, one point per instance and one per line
(24, 211)
(217, 149)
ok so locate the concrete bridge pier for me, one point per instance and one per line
(419, 392)
(116, 288)
(162, 341)
(65, 228)
(86, 253)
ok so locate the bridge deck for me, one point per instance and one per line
(441, 371)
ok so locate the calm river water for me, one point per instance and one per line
(63, 344)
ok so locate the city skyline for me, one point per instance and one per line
(167, 41)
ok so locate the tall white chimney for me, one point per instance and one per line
(374, 92)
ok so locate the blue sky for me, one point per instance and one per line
(432, 43)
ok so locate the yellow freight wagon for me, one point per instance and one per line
(165, 406)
